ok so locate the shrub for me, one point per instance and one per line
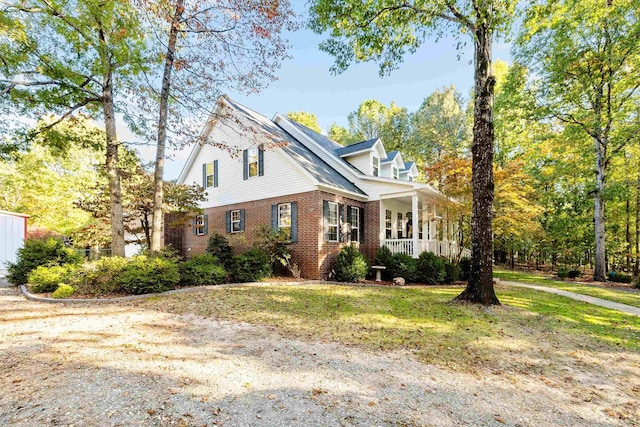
(562, 273)
(619, 277)
(219, 247)
(402, 265)
(63, 291)
(572, 274)
(451, 271)
(202, 270)
(637, 285)
(384, 257)
(465, 268)
(145, 275)
(430, 269)
(350, 266)
(251, 266)
(46, 279)
(99, 277)
(37, 252)
(276, 244)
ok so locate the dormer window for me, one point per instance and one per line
(394, 172)
(375, 166)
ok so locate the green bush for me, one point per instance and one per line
(37, 252)
(251, 266)
(562, 273)
(99, 277)
(451, 271)
(637, 285)
(46, 279)
(219, 247)
(572, 274)
(384, 257)
(202, 270)
(465, 268)
(402, 265)
(351, 266)
(63, 291)
(430, 269)
(146, 275)
(619, 277)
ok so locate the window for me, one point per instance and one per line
(355, 224)
(375, 166)
(332, 222)
(420, 225)
(210, 174)
(284, 218)
(235, 221)
(199, 225)
(394, 172)
(400, 225)
(253, 162)
(387, 224)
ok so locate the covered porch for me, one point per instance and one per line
(416, 221)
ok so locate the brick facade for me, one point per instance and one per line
(313, 255)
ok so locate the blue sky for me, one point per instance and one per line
(305, 83)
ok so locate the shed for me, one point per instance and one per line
(13, 230)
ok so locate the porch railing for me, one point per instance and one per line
(438, 247)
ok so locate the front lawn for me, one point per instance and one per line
(531, 332)
(616, 295)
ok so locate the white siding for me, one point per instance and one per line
(11, 238)
(362, 162)
(281, 175)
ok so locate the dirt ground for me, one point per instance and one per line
(121, 365)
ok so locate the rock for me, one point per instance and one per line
(399, 281)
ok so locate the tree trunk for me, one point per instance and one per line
(480, 286)
(111, 166)
(158, 176)
(600, 270)
(636, 270)
(627, 235)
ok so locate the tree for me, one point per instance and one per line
(307, 119)
(341, 135)
(211, 44)
(384, 32)
(45, 181)
(586, 59)
(69, 55)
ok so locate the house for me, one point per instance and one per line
(13, 230)
(278, 173)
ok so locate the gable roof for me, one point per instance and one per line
(391, 156)
(319, 170)
(408, 166)
(354, 148)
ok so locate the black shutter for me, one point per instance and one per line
(215, 173)
(260, 161)
(241, 219)
(325, 220)
(349, 211)
(341, 221)
(227, 220)
(206, 224)
(362, 225)
(274, 217)
(294, 222)
(195, 226)
(204, 175)
(245, 164)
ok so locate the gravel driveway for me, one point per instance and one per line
(121, 365)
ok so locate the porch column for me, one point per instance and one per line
(414, 225)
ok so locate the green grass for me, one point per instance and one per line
(621, 296)
(424, 321)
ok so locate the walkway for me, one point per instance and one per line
(629, 309)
